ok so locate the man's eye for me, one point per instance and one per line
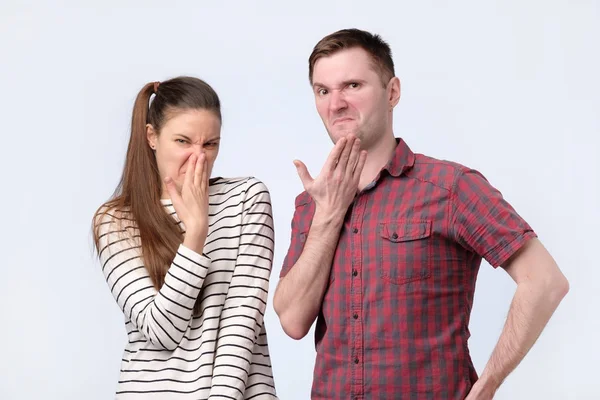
(354, 85)
(211, 144)
(322, 92)
(180, 140)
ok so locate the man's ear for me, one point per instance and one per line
(393, 92)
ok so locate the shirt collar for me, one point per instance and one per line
(402, 160)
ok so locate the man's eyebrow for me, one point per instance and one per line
(344, 83)
(349, 81)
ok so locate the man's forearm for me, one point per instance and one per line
(299, 294)
(531, 308)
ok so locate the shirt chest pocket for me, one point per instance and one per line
(404, 250)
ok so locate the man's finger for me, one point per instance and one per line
(334, 155)
(343, 161)
(303, 173)
(362, 158)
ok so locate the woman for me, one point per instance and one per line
(187, 258)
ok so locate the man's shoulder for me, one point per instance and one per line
(439, 172)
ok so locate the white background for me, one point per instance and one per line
(510, 88)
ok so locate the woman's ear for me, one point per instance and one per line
(151, 136)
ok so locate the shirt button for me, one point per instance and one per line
(395, 236)
(354, 272)
(355, 230)
(356, 360)
(355, 316)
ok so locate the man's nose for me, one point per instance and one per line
(337, 101)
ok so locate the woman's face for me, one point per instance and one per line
(185, 133)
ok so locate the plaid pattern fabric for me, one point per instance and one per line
(394, 318)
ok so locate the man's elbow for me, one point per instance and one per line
(555, 287)
(294, 321)
(560, 287)
(293, 329)
(289, 323)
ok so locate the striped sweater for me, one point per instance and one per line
(222, 351)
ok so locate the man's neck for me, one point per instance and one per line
(378, 156)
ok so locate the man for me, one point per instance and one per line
(386, 245)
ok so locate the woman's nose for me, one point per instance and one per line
(198, 149)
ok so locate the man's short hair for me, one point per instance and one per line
(378, 49)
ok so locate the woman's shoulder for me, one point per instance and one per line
(247, 184)
(113, 224)
(109, 214)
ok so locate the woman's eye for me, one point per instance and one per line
(180, 140)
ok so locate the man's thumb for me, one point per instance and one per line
(303, 172)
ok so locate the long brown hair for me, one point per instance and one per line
(139, 191)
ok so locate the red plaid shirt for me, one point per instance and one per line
(395, 315)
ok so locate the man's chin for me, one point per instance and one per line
(338, 133)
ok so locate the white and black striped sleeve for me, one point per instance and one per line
(244, 308)
(161, 316)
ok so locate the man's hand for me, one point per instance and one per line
(334, 189)
(298, 297)
(479, 391)
(540, 288)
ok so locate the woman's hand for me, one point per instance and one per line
(191, 204)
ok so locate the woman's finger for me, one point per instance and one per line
(204, 178)
(198, 170)
(189, 172)
(174, 194)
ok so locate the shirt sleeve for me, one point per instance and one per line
(243, 312)
(483, 222)
(304, 209)
(160, 316)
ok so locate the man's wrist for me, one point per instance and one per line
(324, 217)
(487, 385)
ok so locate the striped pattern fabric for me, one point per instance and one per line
(221, 352)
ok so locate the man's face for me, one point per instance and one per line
(350, 96)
